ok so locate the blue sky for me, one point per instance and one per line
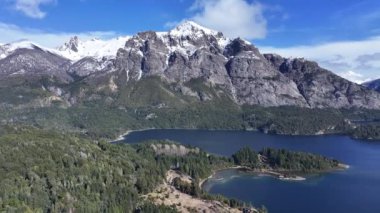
(342, 35)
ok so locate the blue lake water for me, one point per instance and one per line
(354, 190)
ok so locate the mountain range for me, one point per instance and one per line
(189, 61)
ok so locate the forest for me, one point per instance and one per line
(368, 132)
(47, 171)
(147, 104)
(283, 160)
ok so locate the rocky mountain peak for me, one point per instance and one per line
(72, 44)
(292, 64)
(190, 28)
(239, 46)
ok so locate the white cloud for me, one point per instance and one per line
(32, 8)
(354, 77)
(10, 33)
(235, 18)
(356, 60)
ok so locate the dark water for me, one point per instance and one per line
(353, 190)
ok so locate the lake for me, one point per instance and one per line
(354, 190)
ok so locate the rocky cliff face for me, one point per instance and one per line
(255, 80)
(321, 88)
(233, 67)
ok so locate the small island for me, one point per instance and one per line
(284, 164)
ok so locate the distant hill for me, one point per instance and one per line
(374, 85)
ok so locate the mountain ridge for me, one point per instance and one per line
(234, 67)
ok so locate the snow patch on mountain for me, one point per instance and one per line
(187, 32)
(190, 28)
(76, 49)
(184, 47)
(193, 30)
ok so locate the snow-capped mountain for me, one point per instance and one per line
(190, 51)
(75, 49)
(28, 58)
(7, 49)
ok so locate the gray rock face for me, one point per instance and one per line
(256, 81)
(72, 44)
(130, 61)
(155, 53)
(204, 64)
(87, 66)
(321, 88)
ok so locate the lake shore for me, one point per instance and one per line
(281, 175)
(276, 174)
(126, 133)
(238, 185)
(123, 135)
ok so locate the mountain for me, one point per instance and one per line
(190, 61)
(25, 58)
(374, 85)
